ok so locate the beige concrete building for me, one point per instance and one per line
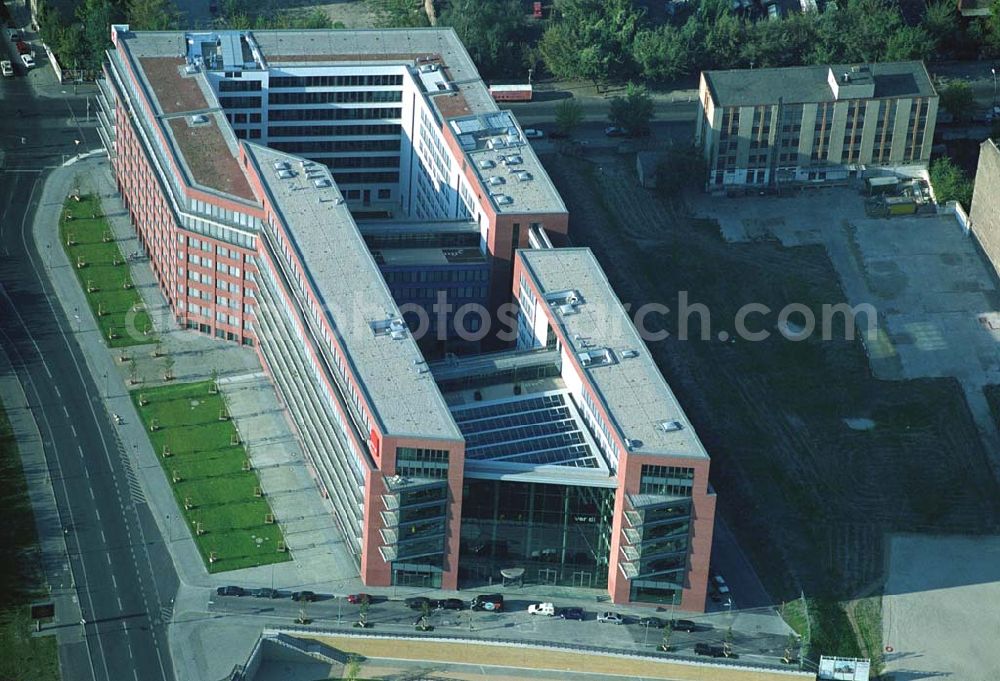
(984, 216)
(803, 124)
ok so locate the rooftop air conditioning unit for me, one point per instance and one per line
(286, 174)
(630, 353)
(497, 181)
(486, 164)
(672, 426)
(503, 199)
(281, 165)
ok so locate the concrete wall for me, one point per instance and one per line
(985, 213)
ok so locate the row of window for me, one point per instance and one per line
(332, 130)
(237, 118)
(239, 86)
(421, 276)
(335, 81)
(305, 148)
(349, 97)
(366, 178)
(240, 102)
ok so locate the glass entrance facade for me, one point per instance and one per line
(559, 534)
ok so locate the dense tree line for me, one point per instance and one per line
(611, 40)
(81, 39)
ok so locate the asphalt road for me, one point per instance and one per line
(122, 572)
(515, 623)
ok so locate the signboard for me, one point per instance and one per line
(43, 611)
(375, 442)
(843, 669)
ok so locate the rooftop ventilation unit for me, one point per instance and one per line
(512, 160)
(199, 119)
(428, 68)
(190, 69)
(596, 357)
(321, 183)
(391, 326)
(632, 444)
(496, 143)
(671, 426)
(339, 201)
(523, 176)
(497, 181)
(503, 199)
(486, 164)
(286, 174)
(567, 309)
(281, 165)
(629, 354)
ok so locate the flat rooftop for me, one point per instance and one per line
(172, 65)
(411, 257)
(505, 163)
(619, 367)
(808, 84)
(355, 298)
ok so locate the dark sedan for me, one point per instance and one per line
(230, 591)
(571, 613)
(448, 604)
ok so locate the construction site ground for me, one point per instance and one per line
(816, 459)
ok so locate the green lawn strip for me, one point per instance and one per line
(22, 656)
(209, 468)
(111, 303)
(832, 634)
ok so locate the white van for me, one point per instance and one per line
(547, 609)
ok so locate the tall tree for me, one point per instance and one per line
(950, 183)
(491, 30)
(153, 15)
(664, 53)
(633, 111)
(592, 39)
(910, 42)
(95, 17)
(958, 100)
(940, 20)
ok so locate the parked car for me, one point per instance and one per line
(653, 622)
(231, 591)
(357, 599)
(15, 35)
(418, 603)
(683, 625)
(449, 604)
(720, 584)
(266, 593)
(533, 134)
(28, 61)
(488, 602)
(6, 68)
(572, 614)
(546, 609)
(709, 650)
(22, 47)
(611, 617)
(304, 596)
(615, 131)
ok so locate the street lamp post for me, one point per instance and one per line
(993, 70)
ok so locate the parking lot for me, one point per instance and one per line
(757, 635)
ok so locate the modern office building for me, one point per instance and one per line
(565, 454)
(805, 124)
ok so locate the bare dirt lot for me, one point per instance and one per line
(937, 613)
(814, 458)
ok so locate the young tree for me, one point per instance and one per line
(569, 115)
(633, 111)
(958, 100)
(491, 31)
(950, 183)
(910, 42)
(682, 168)
(664, 53)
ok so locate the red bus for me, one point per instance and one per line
(511, 93)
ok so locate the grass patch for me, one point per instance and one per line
(794, 614)
(210, 471)
(117, 306)
(868, 619)
(831, 631)
(22, 656)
